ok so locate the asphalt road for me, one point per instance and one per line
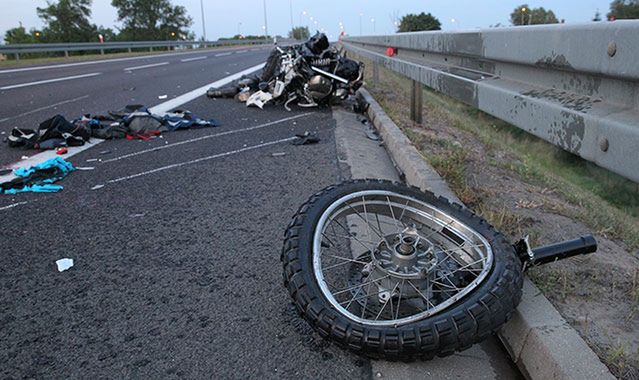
(169, 75)
(175, 242)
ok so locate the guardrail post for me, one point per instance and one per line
(151, 49)
(17, 56)
(375, 72)
(416, 102)
(66, 54)
(129, 49)
(102, 51)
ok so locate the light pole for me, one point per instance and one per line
(523, 12)
(360, 23)
(239, 29)
(265, 22)
(203, 22)
(292, 26)
(373, 21)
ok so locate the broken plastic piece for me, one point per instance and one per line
(64, 264)
(259, 99)
(163, 96)
(61, 150)
(278, 154)
(97, 187)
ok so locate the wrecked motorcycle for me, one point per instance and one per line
(392, 272)
(308, 74)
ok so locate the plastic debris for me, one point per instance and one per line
(61, 150)
(85, 167)
(278, 154)
(258, 99)
(97, 187)
(163, 96)
(64, 264)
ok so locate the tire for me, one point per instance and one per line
(467, 321)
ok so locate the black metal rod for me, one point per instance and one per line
(558, 251)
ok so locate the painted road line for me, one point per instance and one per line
(185, 98)
(223, 54)
(219, 155)
(241, 51)
(161, 147)
(192, 59)
(49, 81)
(44, 108)
(146, 66)
(13, 205)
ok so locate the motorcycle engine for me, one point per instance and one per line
(319, 87)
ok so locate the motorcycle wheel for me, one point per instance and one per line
(391, 272)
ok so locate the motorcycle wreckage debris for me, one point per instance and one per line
(391, 272)
(310, 74)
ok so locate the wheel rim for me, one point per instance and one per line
(386, 259)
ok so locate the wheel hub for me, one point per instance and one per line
(404, 256)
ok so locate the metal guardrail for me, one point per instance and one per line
(18, 49)
(575, 86)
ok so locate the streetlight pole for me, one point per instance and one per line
(292, 26)
(203, 22)
(523, 12)
(265, 22)
(373, 21)
(360, 23)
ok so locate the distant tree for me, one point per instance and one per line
(299, 33)
(416, 23)
(19, 35)
(624, 9)
(524, 15)
(597, 16)
(67, 21)
(151, 19)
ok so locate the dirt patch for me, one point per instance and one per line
(598, 294)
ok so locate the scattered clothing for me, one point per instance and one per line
(38, 178)
(134, 121)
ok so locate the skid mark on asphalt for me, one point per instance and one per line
(206, 137)
(177, 165)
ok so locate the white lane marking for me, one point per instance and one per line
(192, 59)
(49, 81)
(146, 66)
(223, 54)
(13, 205)
(62, 65)
(185, 98)
(160, 108)
(44, 108)
(219, 155)
(241, 51)
(206, 137)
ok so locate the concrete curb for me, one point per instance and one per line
(539, 340)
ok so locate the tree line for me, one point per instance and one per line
(142, 20)
(521, 15)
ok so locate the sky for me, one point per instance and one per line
(225, 18)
